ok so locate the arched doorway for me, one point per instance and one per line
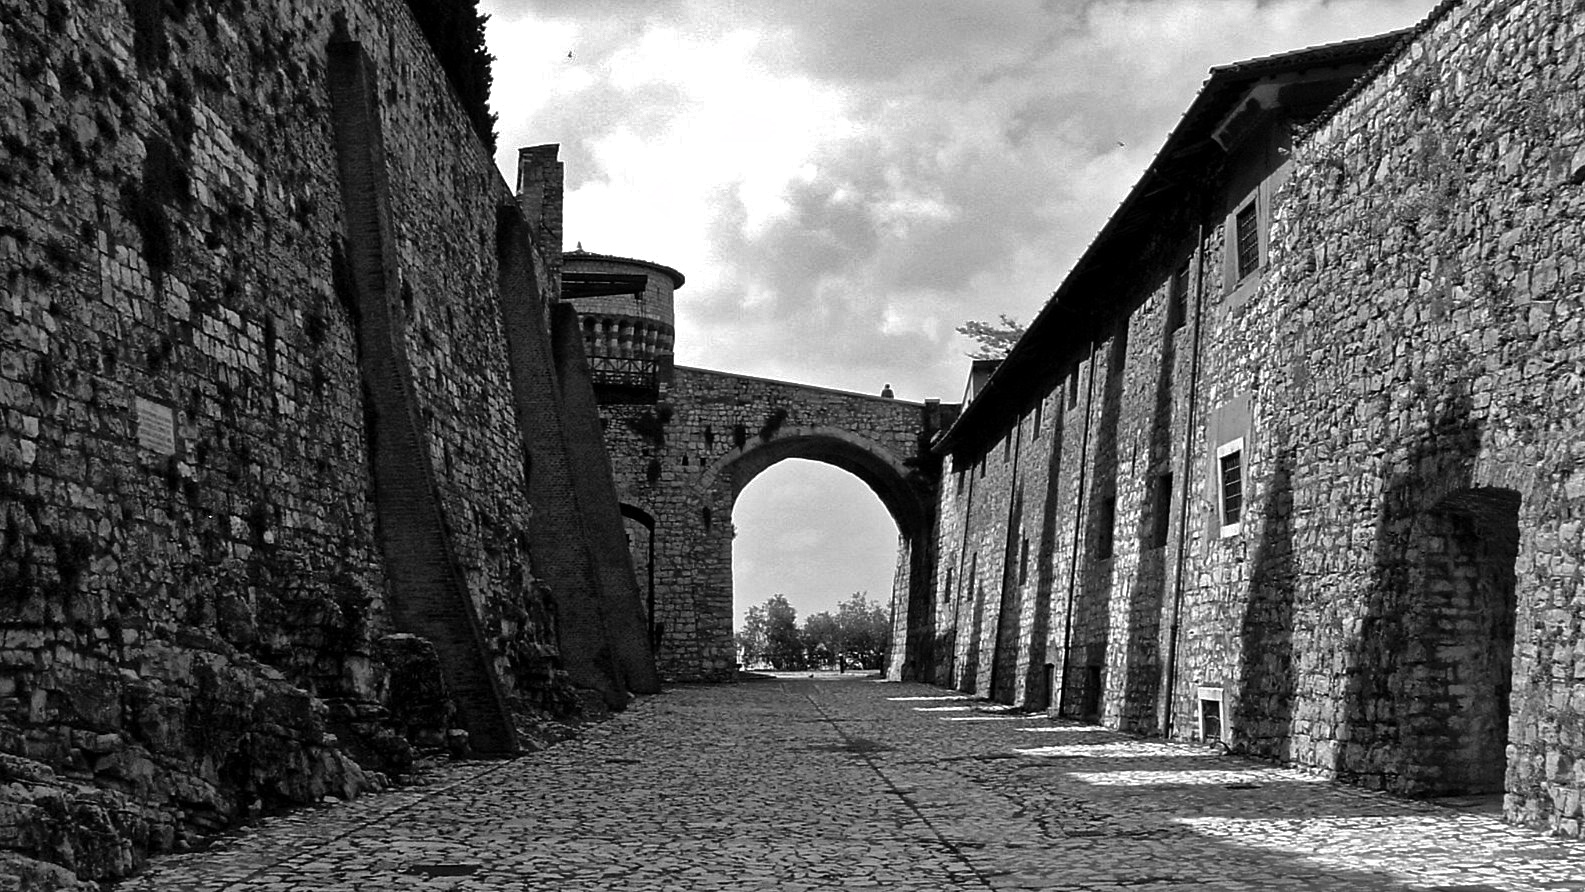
(1455, 673)
(639, 526)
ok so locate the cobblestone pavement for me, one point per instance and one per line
(859, 784)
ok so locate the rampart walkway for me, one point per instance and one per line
(857, 784)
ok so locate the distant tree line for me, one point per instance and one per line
(855, 638)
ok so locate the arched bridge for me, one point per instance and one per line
(681, 461)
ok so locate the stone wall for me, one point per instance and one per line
(252, 344)
(1399, 600)
(1434, 221)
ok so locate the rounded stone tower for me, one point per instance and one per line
(625, 309)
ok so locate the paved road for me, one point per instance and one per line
(858, 784)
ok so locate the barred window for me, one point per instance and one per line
(1230, 485)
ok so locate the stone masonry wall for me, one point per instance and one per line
(1399, 605)
(1434, 222)
(192, 592)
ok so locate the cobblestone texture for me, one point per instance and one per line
(856, 784)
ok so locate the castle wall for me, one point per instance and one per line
(1399, 597)
(193, 584)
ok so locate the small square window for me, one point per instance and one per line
(1230, 486)
(1246, 228)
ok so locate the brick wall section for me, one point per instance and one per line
(181, 626)
(684, 461)
(1403, 374)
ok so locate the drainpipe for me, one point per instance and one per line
(1187, 475)
(1078, 529)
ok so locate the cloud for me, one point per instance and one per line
(842, 184)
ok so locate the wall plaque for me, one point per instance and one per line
(156, 427)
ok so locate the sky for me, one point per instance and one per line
(844, 182)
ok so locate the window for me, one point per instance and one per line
(1039, 404)
(1007, 448)
(1246, 228)
(1211, 715)
(1108, 520)
(1161, 510)
(1178, 298)
(1230, 486)
(1023, 562)
(946, 591)
(1073, 387)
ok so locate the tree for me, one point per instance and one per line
(995, 341)
(455, 31)
(751, 641)
(866, 631)
(822, 637)
(770, 631)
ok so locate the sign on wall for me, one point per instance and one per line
(156, 427)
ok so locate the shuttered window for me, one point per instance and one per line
(1246, 228)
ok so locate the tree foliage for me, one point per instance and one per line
(455, 31)
(770, 635)
(995, 341)
(855, 637)
(866, 631)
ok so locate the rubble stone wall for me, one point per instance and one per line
(192, 594)
(1400, 605)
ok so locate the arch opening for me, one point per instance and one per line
(884, 475)
(639, 525)
(815, 534)
(1456, 671)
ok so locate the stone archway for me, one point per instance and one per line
(885, 474)
(869, 461)
(688, 456)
